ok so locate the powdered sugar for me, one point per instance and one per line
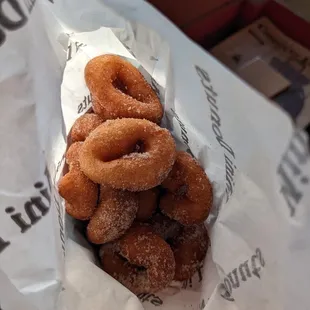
(114, 215)
(135, 155)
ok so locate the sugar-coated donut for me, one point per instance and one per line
(147, 204)
(73, 154)
(108, 154)
(119, 90)
(189, 249)
(115, 213)
(84, 125)
(80, 193)
(189, 192)
(188, 243)
(141, 260)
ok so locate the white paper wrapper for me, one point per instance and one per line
(258, 164)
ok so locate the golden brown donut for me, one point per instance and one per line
(147, 204)
(189, 249)
(108, 154)
(189, 244)
(80, 193)
(84, 125)
(189, 192)
(73, 154)
(119, 90)
(115, 213)
(141, 260)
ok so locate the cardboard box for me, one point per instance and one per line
(281, 66)
(263, 77)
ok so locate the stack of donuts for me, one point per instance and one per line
(143, 201)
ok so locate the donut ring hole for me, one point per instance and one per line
(128, 87)
(125, 260)
(120, 85)
(139, 147)
(130, 151)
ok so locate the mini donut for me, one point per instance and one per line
(108, 154)
(119, 90)
(141, 260)
(84, 125)
(115, 213)
(147, 204)
(73, 154)
(188, 243)
(189, 192)
(189, 249)
(80, 193)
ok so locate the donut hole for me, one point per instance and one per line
(128, 151)
(120, 85)
(140, 268)
(125, 260)
(121, 257)
(170, 241)
(128, 89)
(139, 147)
(138, 150)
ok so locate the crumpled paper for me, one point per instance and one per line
(257, 162)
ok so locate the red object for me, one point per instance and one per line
(199, 18)
(292, 25)
(251, 11)
(204, 20)
(213, 21)
(183, 12)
